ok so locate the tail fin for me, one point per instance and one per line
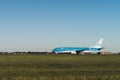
(99, 44)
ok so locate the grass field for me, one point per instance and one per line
(59, 67)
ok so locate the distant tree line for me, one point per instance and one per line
(29, 52)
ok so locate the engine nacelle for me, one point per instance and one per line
(73, 52)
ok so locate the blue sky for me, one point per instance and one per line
(41, 25)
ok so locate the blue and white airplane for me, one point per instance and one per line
(76, 50)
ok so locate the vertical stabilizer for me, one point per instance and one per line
(99, 44)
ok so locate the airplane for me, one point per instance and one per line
(77, 50)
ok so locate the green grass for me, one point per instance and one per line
(59, 67)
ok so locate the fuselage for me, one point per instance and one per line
(71, 49)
